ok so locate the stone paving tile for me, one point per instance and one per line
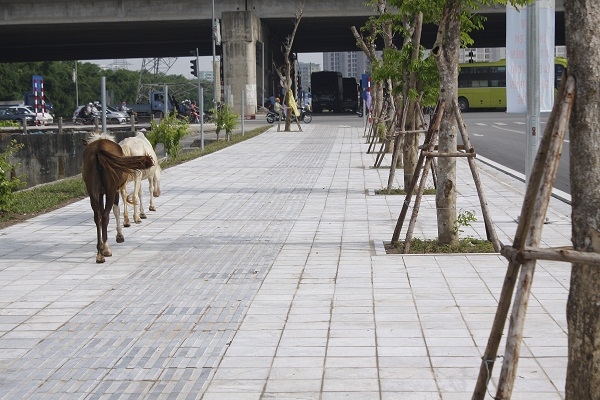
(267, 278)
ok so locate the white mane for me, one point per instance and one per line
(100, 135)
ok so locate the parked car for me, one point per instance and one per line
(21, 110)
(113, 116)
(43, 118)
(116, 116)
(12, 114)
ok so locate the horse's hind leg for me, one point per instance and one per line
(151, 190)
(141, 194)
(105, 217)
(116, 212)
(137, 188)
(98, 221)
(126, 223)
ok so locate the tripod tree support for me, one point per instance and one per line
(527, 237)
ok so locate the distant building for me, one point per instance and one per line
(352, 64)
(304, 71)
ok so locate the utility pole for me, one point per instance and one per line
(532, 137)
(214, 49)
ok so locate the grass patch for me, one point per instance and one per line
(41, 199)
(420, 246)
(397, 191)
(28, 203)
(212, 147)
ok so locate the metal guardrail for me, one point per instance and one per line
(61, 127)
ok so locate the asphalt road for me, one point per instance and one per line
(497, 136)
(500, 137)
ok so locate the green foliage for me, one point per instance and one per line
(224, 119)
(9, 124)
(169, 131)
(464, 218)
(395, 61)
(8, 183)
(381, 130)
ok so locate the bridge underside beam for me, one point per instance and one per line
(89, 41)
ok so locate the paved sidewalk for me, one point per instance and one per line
(263, 276)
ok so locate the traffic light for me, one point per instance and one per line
(194, 68)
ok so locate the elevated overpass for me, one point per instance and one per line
(53, 30)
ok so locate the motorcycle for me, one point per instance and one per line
(304, 116)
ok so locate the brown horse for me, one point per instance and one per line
(105, 170)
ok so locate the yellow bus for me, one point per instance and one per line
(483, 84)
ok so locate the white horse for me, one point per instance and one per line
(139, 145)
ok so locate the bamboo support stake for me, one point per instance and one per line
(557, 132)
(521, 234)
(564, 254)
(370, 129)
(417, 205)
(429, 164)
(396, 149)
(381, 153)
(386, 141)
(438, 154)
(409, 191)
(487, 218)
(375, 124)
(373, 137)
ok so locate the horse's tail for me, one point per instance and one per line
(116, 165)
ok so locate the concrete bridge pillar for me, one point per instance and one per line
(242, 46)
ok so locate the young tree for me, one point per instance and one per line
(416, 77)
(457, 19)
(285, 71)
(583, 312)
(446, 51)
(377, 26)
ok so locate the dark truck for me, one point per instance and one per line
(326, 90)
(350, 98)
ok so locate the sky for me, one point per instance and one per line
(182, 65)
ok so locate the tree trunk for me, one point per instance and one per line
(410, 153)
(445, 51)
(411, 140)
(583, 307)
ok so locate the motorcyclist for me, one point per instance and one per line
(86, 113)
(277, 108)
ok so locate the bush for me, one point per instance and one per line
(224, 119)
(8, 183)
(9, 124)
(169, 131)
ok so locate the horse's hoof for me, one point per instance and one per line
(120, 238)
(152, 208)
(138, 221)
(126, 224)
(143, 216)
(99, 259)
(107, 253)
